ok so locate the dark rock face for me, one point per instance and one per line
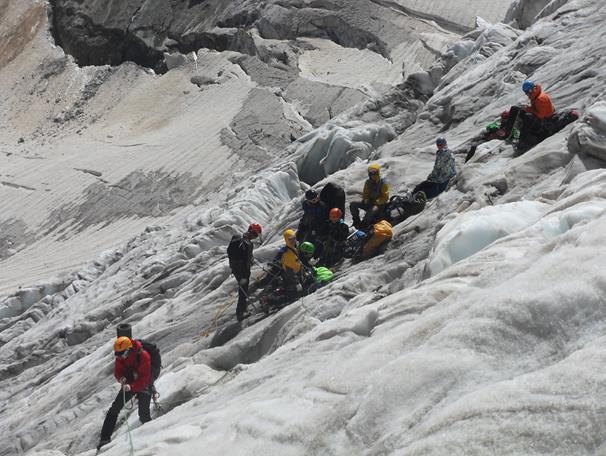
(98, 32)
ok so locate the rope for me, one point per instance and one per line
(157, 407)
(215, 323)
(129, 437)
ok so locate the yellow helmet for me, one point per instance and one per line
(374, 169)
(122, 344)
(288, 235)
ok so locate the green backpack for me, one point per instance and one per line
(323, 274)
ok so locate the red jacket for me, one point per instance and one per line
(540, 104)
(137, 375)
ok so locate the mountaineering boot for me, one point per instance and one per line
(243, 315)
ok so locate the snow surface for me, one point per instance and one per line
(479, 331)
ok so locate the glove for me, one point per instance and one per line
(243, 282)
(299, 288)
(122, 380)
(126, 387)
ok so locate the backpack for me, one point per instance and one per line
(399, 208)
(559, 120)
(382, 233)
(154, 354)
(236, 250)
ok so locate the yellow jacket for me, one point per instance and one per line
(290, 259)
(376, 193)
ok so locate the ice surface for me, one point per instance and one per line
(474, 230)
(337, 145)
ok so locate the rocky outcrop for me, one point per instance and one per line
(100, 32)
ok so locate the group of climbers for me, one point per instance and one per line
(323, 238)
(322, 232)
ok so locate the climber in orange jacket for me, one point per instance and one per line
(540, 103)
(528, 124)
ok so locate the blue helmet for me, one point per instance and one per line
(528, 86)
(440, 141)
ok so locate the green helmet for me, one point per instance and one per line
(307, 247)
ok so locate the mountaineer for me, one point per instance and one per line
(375, 196)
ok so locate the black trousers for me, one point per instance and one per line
(431, 189)
(144, 400)
(243, 282)
(371, 213)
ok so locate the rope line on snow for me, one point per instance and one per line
(129, 437)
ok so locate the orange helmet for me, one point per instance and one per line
(122, 346)
(335, 214)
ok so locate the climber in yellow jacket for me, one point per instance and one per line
(292, 268)
(290, 258)
(374, 198)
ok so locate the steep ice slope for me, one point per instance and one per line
(498, 353)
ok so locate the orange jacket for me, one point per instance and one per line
(540, 105)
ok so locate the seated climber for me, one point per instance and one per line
(531, 120)
(335, 238)
(306, 253)
(374, 197)
(333, 196)
(444, 170)
(315, 216)
(294, 275)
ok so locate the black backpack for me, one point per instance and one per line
(238, 251)
(154, 353)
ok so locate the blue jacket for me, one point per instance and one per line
(444, 168)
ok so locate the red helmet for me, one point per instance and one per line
(505, 114)
(335, 214)
(255, 228)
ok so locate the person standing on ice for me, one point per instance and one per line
(444, 170)
(133, 369)
(240, 255)
(375, 196)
